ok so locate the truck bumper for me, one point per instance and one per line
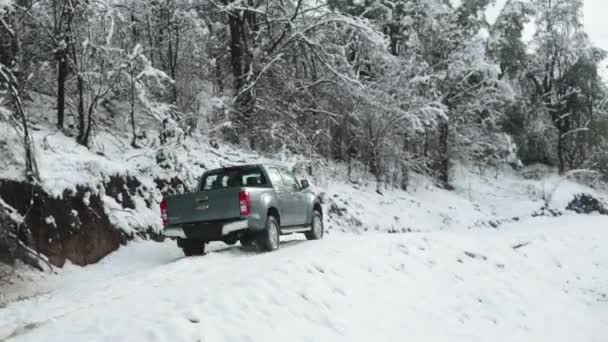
(206, 231)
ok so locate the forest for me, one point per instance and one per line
(395, 84)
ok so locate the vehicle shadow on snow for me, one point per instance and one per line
(240, 250)
(236, 250)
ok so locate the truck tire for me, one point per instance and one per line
(316, 227)
(268, 239)
(192, 247)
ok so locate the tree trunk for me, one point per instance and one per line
(30, 158)
(560, 153)
(405, 177)
(62, 62)
(149, 32)
(84, 140)
(236, 60)
(349, 170)
(9, 43)
(81, 115)
(62, 73)
(236, 50)
(394, 40)
(444, 158)
(133, 128)
(378, 181)
(8, 79)
(404, 169)
(172, 53)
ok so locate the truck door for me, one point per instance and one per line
(299, 210)
(283, 196)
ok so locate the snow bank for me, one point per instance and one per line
(422, 208)
(509, 193)
(481, 198)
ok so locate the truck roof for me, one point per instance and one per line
(238, 166)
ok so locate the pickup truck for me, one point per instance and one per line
(253, 204)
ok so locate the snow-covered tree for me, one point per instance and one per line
(396, 85)
(506, 45)
(563, 73)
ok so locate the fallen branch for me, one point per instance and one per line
(36, 256)
(518, 246)
(475, 256)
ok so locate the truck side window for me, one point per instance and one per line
(290, 180)
(275, 177)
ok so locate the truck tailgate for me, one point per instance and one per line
(210, 205)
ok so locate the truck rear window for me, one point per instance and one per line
(233, 177)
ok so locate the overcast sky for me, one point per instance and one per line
(596, 20)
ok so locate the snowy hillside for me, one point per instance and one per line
(427, 264)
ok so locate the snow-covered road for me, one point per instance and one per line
(537, 280)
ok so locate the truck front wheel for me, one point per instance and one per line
(316, 227)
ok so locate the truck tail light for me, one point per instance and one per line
(163, 212)
(244, 203)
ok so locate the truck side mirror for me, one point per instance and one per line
(304, 184)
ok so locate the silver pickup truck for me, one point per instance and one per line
(253, 204)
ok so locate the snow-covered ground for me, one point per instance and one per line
(463, 265)
(543, 279)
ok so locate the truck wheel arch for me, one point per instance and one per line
(316, 206)
(274, 212)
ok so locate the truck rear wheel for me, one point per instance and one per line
(316, 227)
(269, 238)
(192, 247)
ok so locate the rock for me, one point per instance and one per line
(587, 204)
(193, 316)
(544, 211)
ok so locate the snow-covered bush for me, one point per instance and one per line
(587, 204)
